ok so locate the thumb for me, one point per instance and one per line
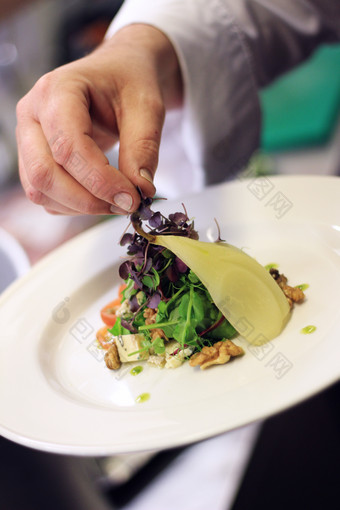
(140, 130)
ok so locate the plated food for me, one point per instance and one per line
(61, 370)
(182, 299)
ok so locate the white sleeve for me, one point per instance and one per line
(227, 50)
(217, 77)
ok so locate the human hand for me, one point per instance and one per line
(78, 111)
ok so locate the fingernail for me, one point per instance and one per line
(143, 172)
(116, 210)
(123, 200)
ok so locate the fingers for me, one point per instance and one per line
(72, 114)
(73, 148)
(140, 129)
(156, 83)
(46, 183)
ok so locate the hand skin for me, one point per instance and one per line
(76, 112)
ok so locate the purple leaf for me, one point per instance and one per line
(172, 273)
(134, 305)
(134, 248)
(137, 280)
(154, 301)
(128, 326)
(124, 270)
(148, 265)
(126, 239)
(178, 218)
(156, 220)
(180, 266)
(145, 212)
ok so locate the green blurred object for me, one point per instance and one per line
(301, 109)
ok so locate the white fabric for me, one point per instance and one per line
(217, 77)
(206, 475)
(227, 49)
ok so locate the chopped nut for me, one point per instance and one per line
(293, 294)
(278, 277)
(157, 333)
(217, 354)
(112, 358)
(149, 315)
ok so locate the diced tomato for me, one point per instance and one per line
(104, 337)
(108, 312)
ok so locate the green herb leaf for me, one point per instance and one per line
(118, 329)
(198, 306)
(158, 345)
(193, 278)
(148, 282)
(224, 330)
(129, 291)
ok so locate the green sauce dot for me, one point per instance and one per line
(143, 397)
(272, 265)
(307, 330)
(303, 286)
(136, 370)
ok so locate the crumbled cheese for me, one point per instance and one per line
(176, 360)
(123, 309)
(157, 360)
(129, 344)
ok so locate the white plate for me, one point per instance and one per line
(56, 393)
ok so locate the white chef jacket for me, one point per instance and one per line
(227, 50)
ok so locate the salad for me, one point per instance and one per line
(164, 313)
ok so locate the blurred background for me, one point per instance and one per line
(35, 37)
(291, 460)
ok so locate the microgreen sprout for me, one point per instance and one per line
(184, 308)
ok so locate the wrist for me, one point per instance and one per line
(154, 46)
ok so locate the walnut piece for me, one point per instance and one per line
(157, 333)
(217, 354)
(150, 315)
(112, 358)
(293, 294)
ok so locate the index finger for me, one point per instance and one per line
(67, 126)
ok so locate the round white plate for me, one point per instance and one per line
(56, 393)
